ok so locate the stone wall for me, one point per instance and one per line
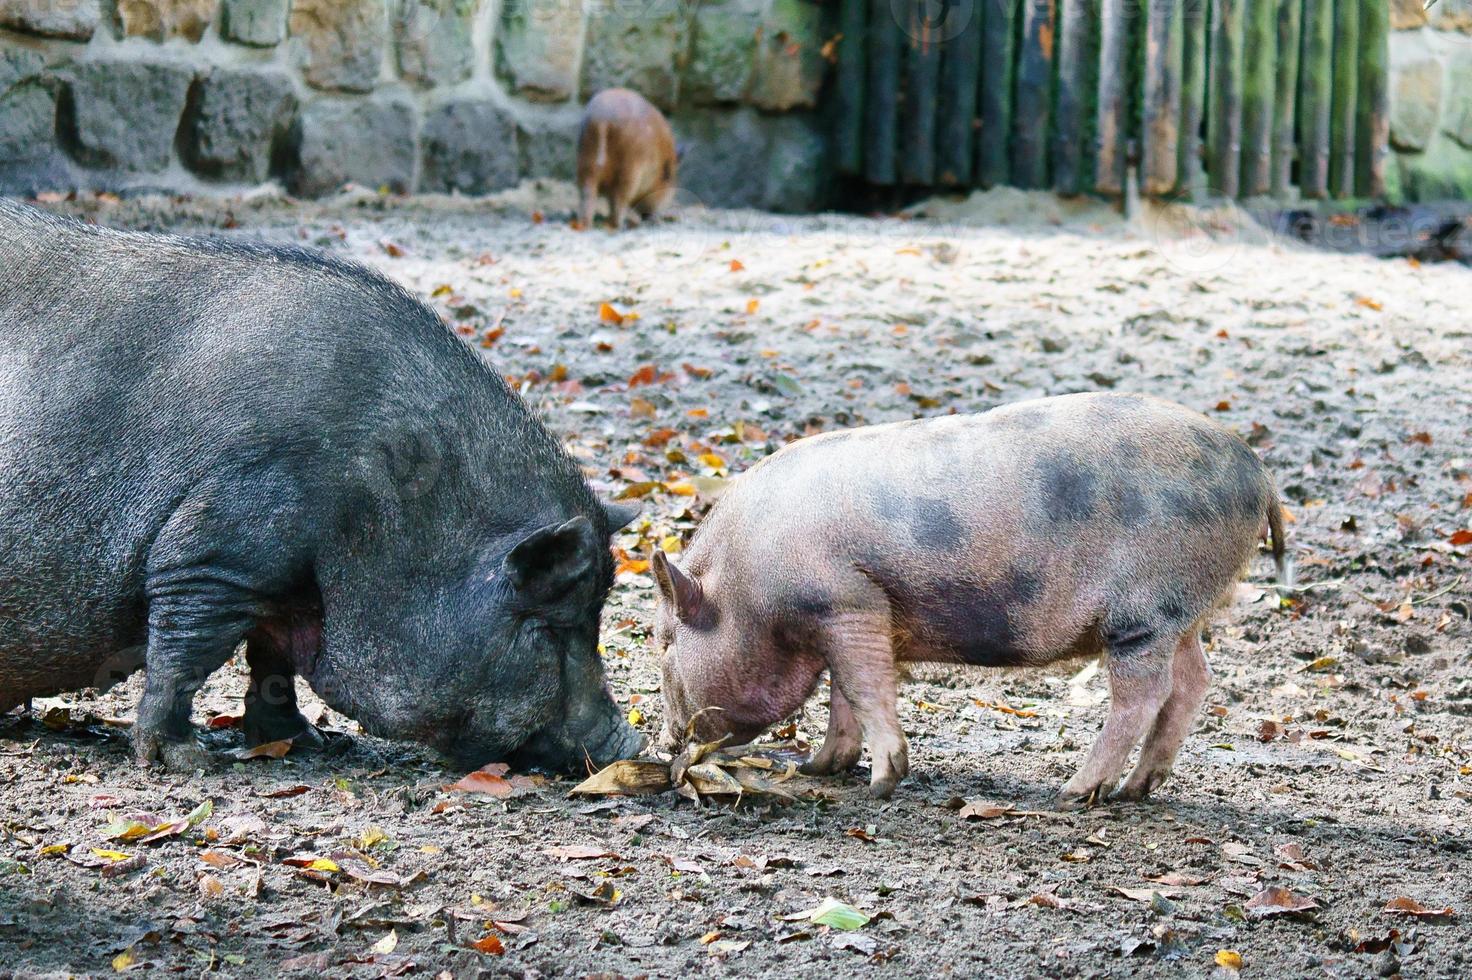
(465, 96)
(1431, 100)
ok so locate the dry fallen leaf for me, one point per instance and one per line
(489, 944)
(1414, 909)
(266, 750)
(628, 777)
(1278, 901)
(1229, 958)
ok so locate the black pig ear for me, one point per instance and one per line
(551, 560)
(677, 587)
(619, 516)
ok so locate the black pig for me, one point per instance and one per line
(203, 442)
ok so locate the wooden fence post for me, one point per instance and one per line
(848, 88)
(922, 85)
(1225, 123)
(1164, 36)
(1290, 18)
(1113, 132)
(1033, 111)
(1372, 127)
(881, 103)
(1260, 78)
(1314, 98)
(960, 77)
(1346, 92)
(992, 164)
(1196, 15)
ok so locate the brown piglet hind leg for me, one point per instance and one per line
(1139, 686)
(1190, 677)
(843, 743)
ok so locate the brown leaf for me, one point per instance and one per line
(1414, 909)
(266, 750)
(628, 777)
(983, 811)
(1461, 537)
(1145, 894)
(1278, 901)
(1174, 878)
(284, 792)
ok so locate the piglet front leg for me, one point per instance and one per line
(860, 652)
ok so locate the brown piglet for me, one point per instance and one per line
(626, 153)
(1039, 531)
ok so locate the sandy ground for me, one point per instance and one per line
(1332, 759)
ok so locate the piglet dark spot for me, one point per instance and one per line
(935, 525)
(812, 603)
(1134, 507)
(1069, 488)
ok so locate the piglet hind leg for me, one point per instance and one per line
(860, 653)
(1190, 677)
(842, 744)
(1139, 686)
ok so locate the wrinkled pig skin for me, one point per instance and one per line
(1043, 530)
(204, 441)
(626, 154)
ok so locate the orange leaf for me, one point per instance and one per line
(267, 750)
(1459, 538)
(644, 376)
(1414, 909)
(488, 944)
(736, 265)
(1369, 303)
(751, 305)
(609, 313)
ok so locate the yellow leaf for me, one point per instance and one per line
(124, 960)
(635, 716)
(107, 855)
(681, 488)
(515, 293)
(431, 849)
(324, 864)
(443, 289)
(387, 944)
(751, 305)
(670, 544)
(1229, 958)
(369, 837)
(51, 849)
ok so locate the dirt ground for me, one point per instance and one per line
(1333, 760)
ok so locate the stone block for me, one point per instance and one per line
(549, 147)
(723, 51)
(540, 48)
(259, 23)
(470, 146)
(789, 59)
(1457, 116)
(363, 141)
(122, 115)
(74, 20)
(1407, 15)
(797, 154)
(237, 118)
(30, 160)
(1442, 173)
(342, 40)
(163, 19)
(1415, 103)
(436, 40)
(725, 163)
(637, 44)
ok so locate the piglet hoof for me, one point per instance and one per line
(1073, 800)
(882, 787)
(1138, 788)
(182, 756)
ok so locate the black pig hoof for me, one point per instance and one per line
(185, 756)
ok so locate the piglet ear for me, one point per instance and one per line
(677, 588)
(619, 516)
(552, 559)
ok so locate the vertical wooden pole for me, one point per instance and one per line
(1372, 125)
(1071, 124)
(922, 86)
(1164, 36)
(998, 53)
(881, 103)
(1346, 92)
(1259, 84)
(1034, 94)
(1290, 19)
(1112, 127)
(1196, 18)
(960, 78)
(1314, 98)
(848, 88)
(1224, 127)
